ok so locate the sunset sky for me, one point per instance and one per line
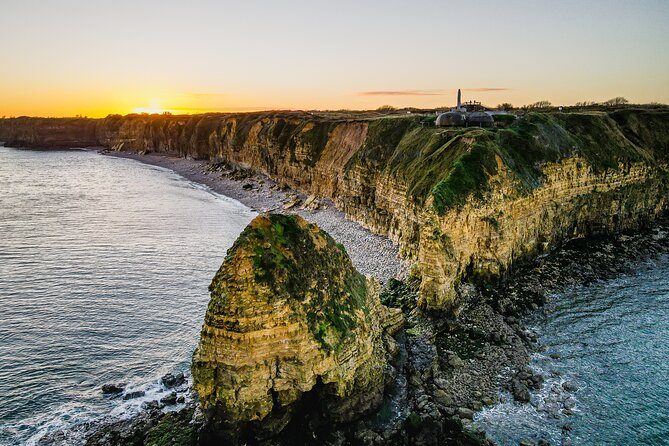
(89, 57)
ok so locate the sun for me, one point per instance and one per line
(149, 110)
(154, 108)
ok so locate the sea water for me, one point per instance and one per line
(610, 341)
(104, 269)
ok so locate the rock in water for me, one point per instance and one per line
(289, 314)
(110, 389)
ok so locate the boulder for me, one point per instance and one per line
(465, 413)
(111, 388)
(169, 399)
(569, 386)
(443, 398)
(455, 361)
(169, 380)
(520, 391)
(291, 203)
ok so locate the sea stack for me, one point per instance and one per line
(289, 315)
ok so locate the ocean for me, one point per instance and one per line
(104, 268)
(105, 265)
(605, 359)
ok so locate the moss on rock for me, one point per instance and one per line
(173, 429)
(289, 314)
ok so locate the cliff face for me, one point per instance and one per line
(486, 238)
(547, 179)
(460, 202)
(289, 315)
(49, 132)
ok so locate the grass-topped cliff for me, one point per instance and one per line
(447, 164)
(450, 165)
(462, 202)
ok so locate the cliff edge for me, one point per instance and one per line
(462, 203)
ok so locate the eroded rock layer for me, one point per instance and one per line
(289, 315)
(462, 203)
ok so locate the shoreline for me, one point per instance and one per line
(470, 377)
(372, 254)
(497, 371)
(532, 292)
(474, 381)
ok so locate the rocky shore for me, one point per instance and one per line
(479, 213)
(448, 366)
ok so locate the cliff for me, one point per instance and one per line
(462, 203)
(62, 133)
(289, 317)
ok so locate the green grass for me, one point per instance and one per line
(600, 140)
(320, 283)
(504, 120)
(383, 136)
(455, 164)
(399, 294)
(468, 176)
(647, 129)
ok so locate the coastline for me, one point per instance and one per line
(585, 265)
(496, 371)
(371, 254)
(476, 379)
(497, 316)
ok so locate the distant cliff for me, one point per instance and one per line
(462, 203)
(49, 132)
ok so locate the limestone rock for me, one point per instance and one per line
(463, 205)
(291, 203)
(289, 314)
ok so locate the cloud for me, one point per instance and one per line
(403, 93)
(484, 89)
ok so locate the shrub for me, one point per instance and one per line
(386, 109)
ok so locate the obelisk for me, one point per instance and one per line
(458, 108)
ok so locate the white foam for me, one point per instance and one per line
(70, 419)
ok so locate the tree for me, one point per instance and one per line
(616, 102)
(539, 104)
(505, 106)
(386, 108)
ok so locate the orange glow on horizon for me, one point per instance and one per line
(227, 58)
(135, 100)
(150, 110)
(155, 108)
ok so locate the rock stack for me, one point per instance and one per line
(289, 317)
